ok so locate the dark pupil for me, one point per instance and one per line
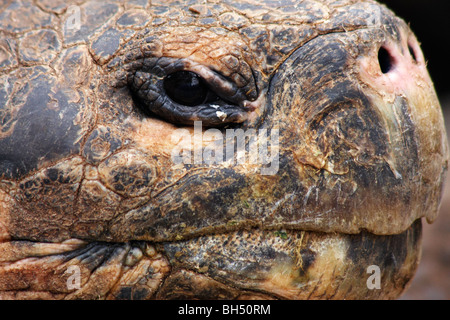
(186, 88)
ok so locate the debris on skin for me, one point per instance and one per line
(221, 115)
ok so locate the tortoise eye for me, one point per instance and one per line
(182, 92)
(186, 88)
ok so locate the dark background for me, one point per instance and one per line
(430, 21)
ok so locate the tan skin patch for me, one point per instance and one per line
(330, 264)
(4, 216)
(161, 137)
(154, 135)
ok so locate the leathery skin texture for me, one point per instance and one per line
(94, 205)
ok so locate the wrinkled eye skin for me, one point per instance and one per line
(159, 85)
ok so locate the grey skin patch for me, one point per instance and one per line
(15, 17)
(133, 19)
(58, 6)
(138, 3)
(106, 45)
(40, 132)
(39, 47)
(8, 56)
(93, 17)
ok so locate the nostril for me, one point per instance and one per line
(412, 52)
(385, 60)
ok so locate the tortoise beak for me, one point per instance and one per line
(292, 265)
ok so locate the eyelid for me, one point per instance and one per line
(147, 79)
(224, 88)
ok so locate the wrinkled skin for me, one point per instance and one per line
(88, 180)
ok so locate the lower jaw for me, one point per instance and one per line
(245, 264)
(293, 265)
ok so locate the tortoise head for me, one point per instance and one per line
(233, 150)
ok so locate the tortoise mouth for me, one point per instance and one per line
(254, 263)
(293, 264)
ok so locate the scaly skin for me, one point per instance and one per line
(87, 134)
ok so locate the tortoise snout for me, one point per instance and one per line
(366, 128)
